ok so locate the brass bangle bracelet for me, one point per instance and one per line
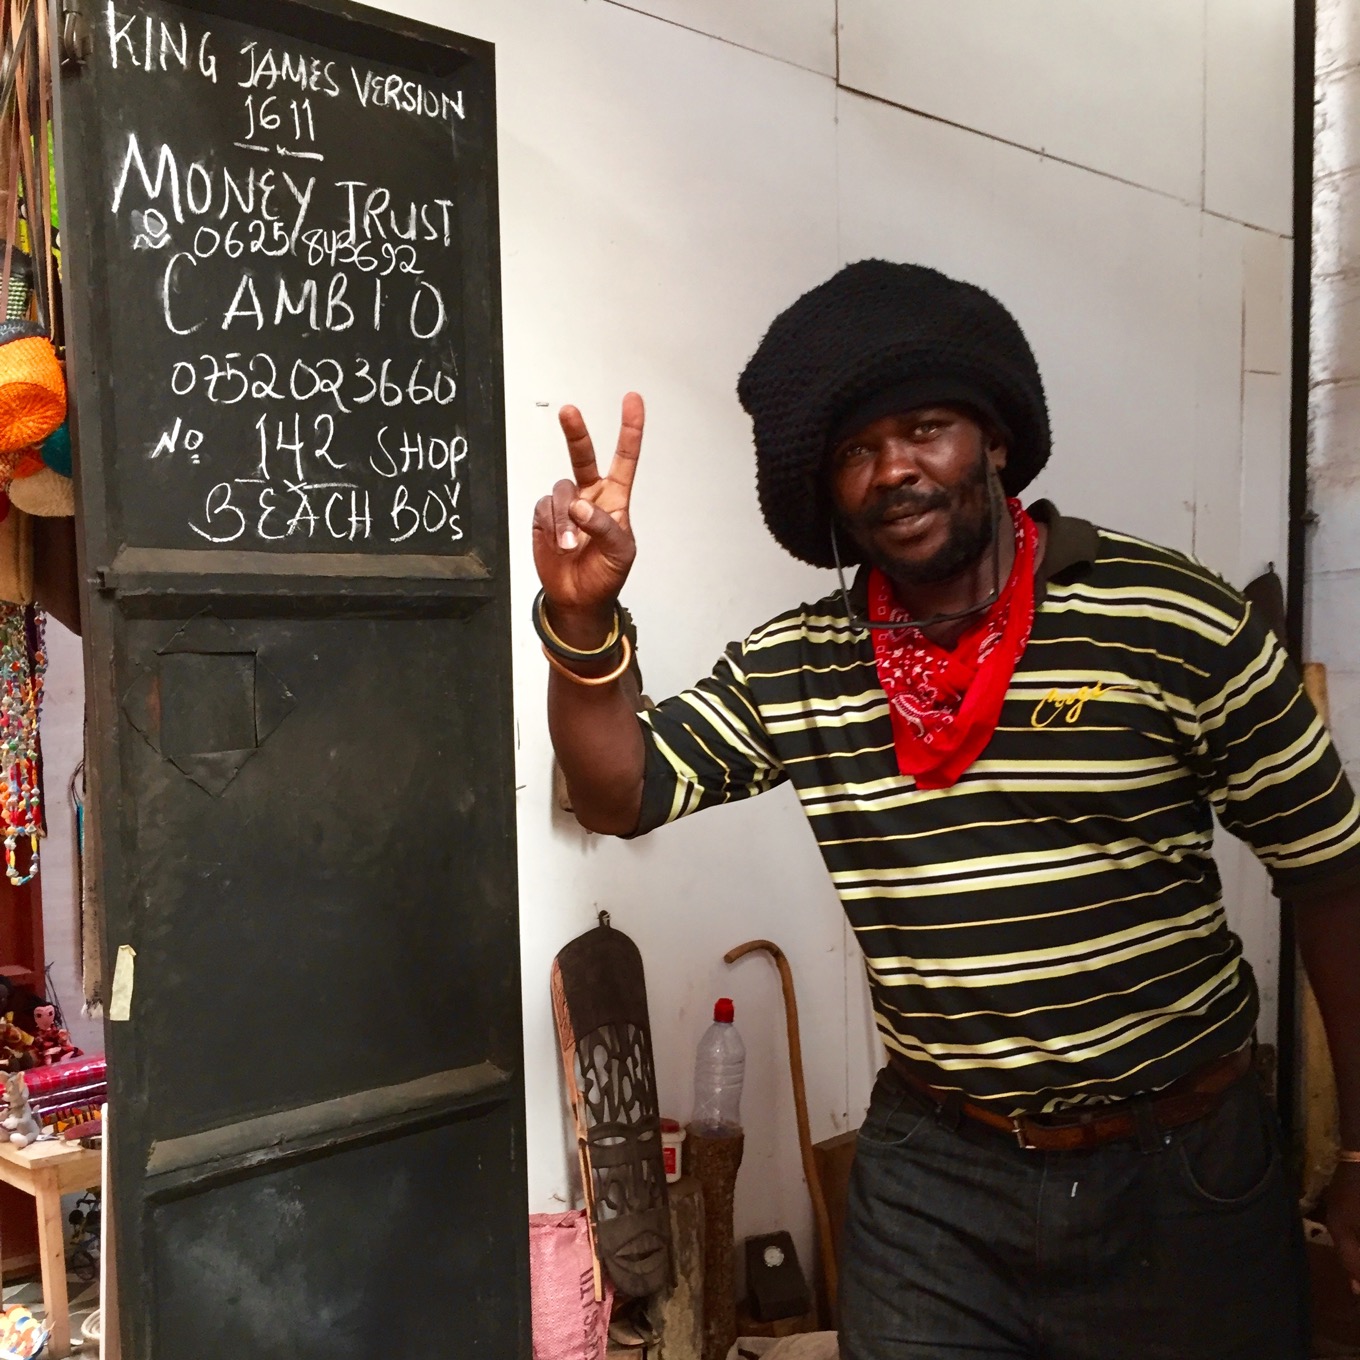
(554, 644)
(607, 679)
(1347, 1155)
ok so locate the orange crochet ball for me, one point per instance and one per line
(26, 463)
(32, 388)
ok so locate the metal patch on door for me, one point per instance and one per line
(207, 703)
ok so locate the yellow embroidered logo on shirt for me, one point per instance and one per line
(1068, 704)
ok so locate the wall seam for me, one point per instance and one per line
(727, 42)
(1029, 150)
(1204, 107)
(836, 20)
(1249, 226)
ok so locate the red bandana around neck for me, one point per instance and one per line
(945, 704)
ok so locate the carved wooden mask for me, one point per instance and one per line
(600, 1005)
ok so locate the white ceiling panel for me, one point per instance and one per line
(800, 31)
(1103, 277)
(1249, 112)
(1116, 87)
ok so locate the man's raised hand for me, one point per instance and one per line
(583, 538)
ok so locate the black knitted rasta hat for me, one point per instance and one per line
(878, 327)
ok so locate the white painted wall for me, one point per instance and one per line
(673, 173)
(664, 193)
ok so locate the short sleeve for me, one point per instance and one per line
(1276, 779)
(706, 746)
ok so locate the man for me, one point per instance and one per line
(1009, 735)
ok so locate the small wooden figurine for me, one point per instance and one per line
(51, 1043)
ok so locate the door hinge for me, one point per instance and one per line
(75, 35)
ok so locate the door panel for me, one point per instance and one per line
(349, 884)
(301, 766)
(352, 1242)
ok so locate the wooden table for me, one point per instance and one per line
(47, 1171)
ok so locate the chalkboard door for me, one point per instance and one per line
(282, 291)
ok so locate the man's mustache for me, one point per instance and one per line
(901, 501)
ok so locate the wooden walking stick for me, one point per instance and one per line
(824, 1236)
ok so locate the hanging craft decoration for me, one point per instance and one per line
(32, 378)
(32, 388)
(20, 283)
(34, 440)
(45, 493)
(23, 663)
(56, 449)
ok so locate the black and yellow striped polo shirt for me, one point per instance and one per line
(1050, 930)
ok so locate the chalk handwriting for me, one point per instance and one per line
(268, 70)
(312, 392)
(407, 96)
(148, 44)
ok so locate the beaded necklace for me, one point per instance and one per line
(21, 684)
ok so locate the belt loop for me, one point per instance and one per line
(1150, 1135)
(950, 1112)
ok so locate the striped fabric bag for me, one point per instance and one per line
(69, 1092)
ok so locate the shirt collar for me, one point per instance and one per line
(1071, 543)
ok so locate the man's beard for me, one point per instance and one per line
(970, 529)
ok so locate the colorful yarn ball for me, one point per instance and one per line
(56, 449)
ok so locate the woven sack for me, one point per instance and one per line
(16, 558)
(569, 1323)
(45, 493)
(32, 388)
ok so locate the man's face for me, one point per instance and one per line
(912, 490)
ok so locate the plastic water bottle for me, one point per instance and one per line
(719, 1069)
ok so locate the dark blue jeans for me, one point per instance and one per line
(959, 1243)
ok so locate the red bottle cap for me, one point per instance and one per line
(723, 1010)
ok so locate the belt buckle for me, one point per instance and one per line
(1018, 1128)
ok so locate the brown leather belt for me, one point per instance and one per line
(1192, 1097)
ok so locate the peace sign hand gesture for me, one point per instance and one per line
(583, 539)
